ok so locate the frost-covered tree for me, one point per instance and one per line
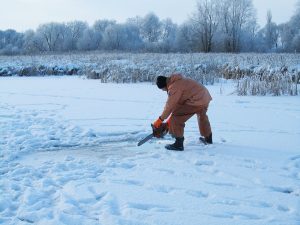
(250, 40)
(295, 29)
(133, 38)
(123, 37)
(30, 46)
(234, 15)
(88, 41)
(206, 20)
(168, 35)
(296, 42)
(11, 42)
(289, 32)
(76, 30)
(113, 37)
(52, 35)
(270, 32)
(286, 35)
(99, 29)
(151, 28)
(134, 24)
(184, 38)
(101, 25)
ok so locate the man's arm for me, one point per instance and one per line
(171, 103)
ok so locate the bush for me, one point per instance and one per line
(273, 84)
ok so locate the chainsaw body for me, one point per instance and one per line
(161, 131)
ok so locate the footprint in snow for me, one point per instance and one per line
(60, 167)
(222, 184)
(123, 165)
(244, 216)
(97, 196)
(296, 157)
(283, 208)
(109, 205)
(162, 189)
(167, 171)
(149, 207)
(294, 163)
(259, 204)
(223, 140)
(297, 164)
(228, 202)
(69, 158)
(204, 163)
(197, 194)
(284, 190)
(155, 156)
(252, 164)
(128, 182)
(235, 202)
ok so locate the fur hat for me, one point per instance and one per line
(161, 82)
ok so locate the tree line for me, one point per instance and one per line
(215, 26)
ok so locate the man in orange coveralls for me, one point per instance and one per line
(186, 97)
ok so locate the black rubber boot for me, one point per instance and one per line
(206, 140)
(177, 146)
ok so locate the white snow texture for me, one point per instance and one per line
(68, 155)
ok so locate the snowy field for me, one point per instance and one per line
(68, 155)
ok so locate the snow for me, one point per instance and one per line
(69, 156)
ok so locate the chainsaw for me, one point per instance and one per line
(159, 132)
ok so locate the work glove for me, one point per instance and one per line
(157, 122)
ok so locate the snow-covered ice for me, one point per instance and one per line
(69, 156)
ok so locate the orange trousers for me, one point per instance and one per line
(184, 112)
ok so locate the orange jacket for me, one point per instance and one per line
(184, 91)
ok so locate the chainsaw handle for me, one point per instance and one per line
(161, 131)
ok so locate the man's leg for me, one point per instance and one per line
(204, 124)
(177, 124)
(178, 119)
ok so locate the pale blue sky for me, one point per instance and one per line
(25, 14)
